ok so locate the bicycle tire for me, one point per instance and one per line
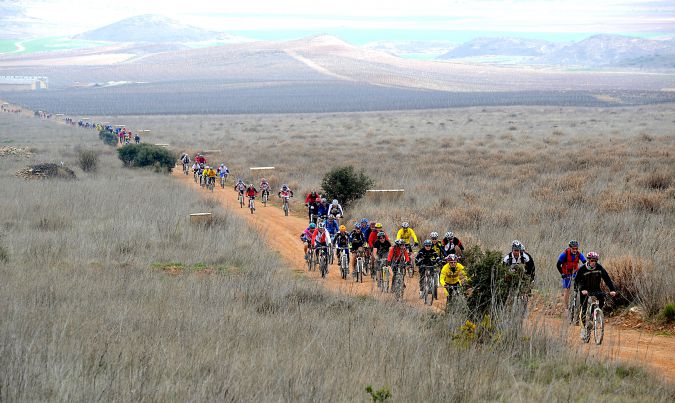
(598, 326)
(323, 265)
(359, 271)
(286, 208)
(310, 260)
(585, 330)
(572, 308)
(428, 297)
(344, 264)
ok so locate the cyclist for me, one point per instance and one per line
(516, 256)
(195, 168)
(137, 139)
(381, 245)
(200, 159)
(567, 265)
(306, 237)
(311, 201)
(364, 227)
(398, 254)
(587, 281)
(407, 235)
(452, 273)
(323, 208)
(427, 256)
(265, 187)
(223, 171)
(320, 238)
(452, 245)
(285, 192)
(205, 175)
(358, 241)
(212, 176)
(332, 226)
(335, 209)
(375, 233)
(436, 244)
(341, 240)
(185, 159)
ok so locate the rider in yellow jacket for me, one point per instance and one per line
(406, 234)
(453, 272)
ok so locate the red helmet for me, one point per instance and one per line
(593, 256)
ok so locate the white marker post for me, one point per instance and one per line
(379, 194)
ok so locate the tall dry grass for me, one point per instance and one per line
(88, 314)
(538, 174)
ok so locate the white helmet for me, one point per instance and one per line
(335, 202)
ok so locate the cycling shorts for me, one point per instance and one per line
(567, 281)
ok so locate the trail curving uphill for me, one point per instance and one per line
(657, 353)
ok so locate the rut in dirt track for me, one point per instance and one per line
(654, 352)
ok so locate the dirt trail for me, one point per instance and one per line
(655, 352)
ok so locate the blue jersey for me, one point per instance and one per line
(333, 227)
(322, 209)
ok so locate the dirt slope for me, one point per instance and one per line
(655, 352)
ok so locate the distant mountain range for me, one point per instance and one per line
(595, 51)
(154, 29)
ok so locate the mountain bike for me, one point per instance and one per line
(251, 203)
(311, 259)
(186, 168)
(359, 266)
(344, 262)
(323, 260)
(411, 266)
(285, 204)
(265, 197)
(196, 175)
(429, 285)
(382, 275)
(398, 269)
(241, 199)
(593, 320)
(222, 182)
(210, 183)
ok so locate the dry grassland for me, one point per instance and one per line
(90, 314)
(604, 176)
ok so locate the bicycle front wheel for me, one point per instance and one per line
(598, 326)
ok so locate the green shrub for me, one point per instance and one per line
(4, 255)
(108, 137)
(492, 281)
(345, 184)
(380, 395)
(667, 314)
(144, 155)
(88, 160)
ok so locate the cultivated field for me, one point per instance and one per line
(91, 311)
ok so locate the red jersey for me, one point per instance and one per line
(373, 237)
(396, 253)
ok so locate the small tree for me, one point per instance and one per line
(345, 184)
(144, 155)
(108, 137)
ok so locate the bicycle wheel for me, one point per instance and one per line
(398, 287)
(428, 296)
(286, 208)
(241, 201)
(310, 260)
(344, 264)
(598, 325)
(586, 328)
(359, 271)
(264, 200)
(572, 309)
(386, 280)
(251, 206)
(323, 265)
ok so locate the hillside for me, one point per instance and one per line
(500, 47)
(150, 28)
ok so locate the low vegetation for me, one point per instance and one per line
(602, 176)
(147, 155)
(345, 184)
(90, 313)
(88, 160)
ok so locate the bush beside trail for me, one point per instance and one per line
(147, 155)
(345, 184)
(88, 160)
(108, 137)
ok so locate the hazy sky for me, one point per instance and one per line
(64, 17)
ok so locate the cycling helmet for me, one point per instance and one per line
(222, 165)
(207, 167)
(405, 224)
(343, 228)
(331, 217)
(322, 225)
(381, 234)
(516, 245)
(449, 234)
(427, 242)
(364, 220)
(451, 258)
(335, 202)
(263, 180)
(357, 226)
(323, 200)
(593, 256)
(399, 242)
(284, 186)
(312, 226)
(574, 244)
(378, 225)
(250, 185)
(434, 235)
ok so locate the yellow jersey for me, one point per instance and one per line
(451, 278)
(406, 234)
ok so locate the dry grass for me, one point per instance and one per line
(87, 314)
(590, 174)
